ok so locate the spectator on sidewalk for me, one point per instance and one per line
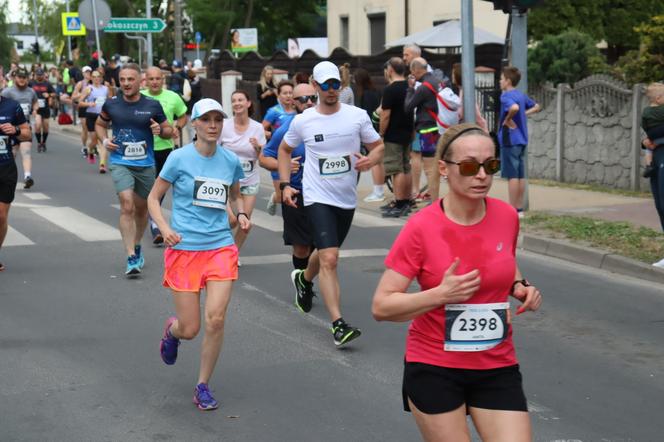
(515, 106)
(368, 98)
(396, 128)
(266, 91)
(652, 122)
(424, 103)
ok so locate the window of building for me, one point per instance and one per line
(377, 32)
(19, 44)
(344, 32)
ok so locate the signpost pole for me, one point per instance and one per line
(94, 16)
(68, 38)
(148, 45)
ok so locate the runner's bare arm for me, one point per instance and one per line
(529, 295)
(391, 302)
(384, 121)
(101, 126)
(159, 189)
(269, 163)
(375, 156)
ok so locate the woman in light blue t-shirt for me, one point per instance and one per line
(201, 253)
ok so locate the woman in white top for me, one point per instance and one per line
(93, 98)
(346, 94)
(244, 137)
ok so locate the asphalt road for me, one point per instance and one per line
(79, 342)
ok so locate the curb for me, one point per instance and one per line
(591, 257)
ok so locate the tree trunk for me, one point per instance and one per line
(250, 11)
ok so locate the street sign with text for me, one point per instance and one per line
(126, 24)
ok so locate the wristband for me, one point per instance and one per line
(242, 213)
(283, 185)
(523, 282)
(18, 130)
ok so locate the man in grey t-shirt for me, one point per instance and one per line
(27, 98)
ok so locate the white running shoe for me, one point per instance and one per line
(659, 264)
(271, 205)
(374, 197)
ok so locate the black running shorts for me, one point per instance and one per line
(297, 229)
(8, 180)
(436, 389)
(160, 157)
(44, 112)
(329, 224)
(90, 121)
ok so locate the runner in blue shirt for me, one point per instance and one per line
(136, 120)
(297, 229)
(275, 117)
(13, 128)
(200, 253)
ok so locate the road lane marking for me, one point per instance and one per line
(283, 258)
(36, 196)
(361, 219)
(78, 223)
(16, 238)
(267, 222)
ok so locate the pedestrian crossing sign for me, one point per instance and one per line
(71, 24)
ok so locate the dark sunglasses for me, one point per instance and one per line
(472, 167)
(304, 98)
(334, 84)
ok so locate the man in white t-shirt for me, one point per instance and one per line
(331, 133)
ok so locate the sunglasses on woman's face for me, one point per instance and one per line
(472, 167)
(334, 84)
(304, 98)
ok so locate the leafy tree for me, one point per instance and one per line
(6, 43)
(564, 58)
(646, 64)
(276, 20)
(611, 20)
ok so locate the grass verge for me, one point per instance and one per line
(592, 188)
(640, 243)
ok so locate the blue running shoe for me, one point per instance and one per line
(169, 345)
(139, 254)
(203, 398)
(133, 267)
(157, 237)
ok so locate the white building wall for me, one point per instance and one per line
(422, 14)
(27, 41)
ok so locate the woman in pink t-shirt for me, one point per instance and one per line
(461, 249)
(245, 138)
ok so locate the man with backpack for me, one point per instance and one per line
(424, 102)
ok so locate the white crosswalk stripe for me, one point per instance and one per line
(16, 238)
(36, 196)
(79, 224)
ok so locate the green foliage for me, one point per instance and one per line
(646, 64)
(609, 20)
(564, 58)
(6, 43)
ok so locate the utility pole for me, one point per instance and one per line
(520, 61)
(178, 29)
(468, 60)
(34, 8)
(148, 45)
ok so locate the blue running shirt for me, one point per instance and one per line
(131, 129)
(271, 149)
(10, 112)
(276, 116)
(201, 187)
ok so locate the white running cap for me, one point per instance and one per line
(326, 70)
(204, 106)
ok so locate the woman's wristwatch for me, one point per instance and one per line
(523, 282)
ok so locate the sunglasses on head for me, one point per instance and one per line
(472, 167)
(334, 84)
(304, 98)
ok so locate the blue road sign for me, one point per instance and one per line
(198, 37)
(73, 24)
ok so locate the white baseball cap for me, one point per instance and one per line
(86, 69)
(326, 70)
(204, 106)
